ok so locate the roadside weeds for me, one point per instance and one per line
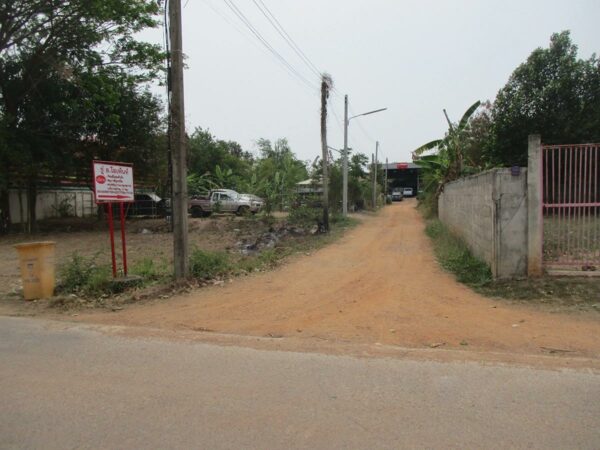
(84, 283)
(555, 293)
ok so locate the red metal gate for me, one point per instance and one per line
(571, 207)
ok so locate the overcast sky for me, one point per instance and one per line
(413, 57)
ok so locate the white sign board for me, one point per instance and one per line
(113, 182)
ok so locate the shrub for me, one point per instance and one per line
(83, 275)
(305, 215)
(205, 264)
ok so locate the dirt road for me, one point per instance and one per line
(378, 284)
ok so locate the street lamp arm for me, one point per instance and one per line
(367, 113)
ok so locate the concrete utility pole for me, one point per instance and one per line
(178, 144)
(345, 161)
(375, 175)
(373, 179)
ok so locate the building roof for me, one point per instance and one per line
(309, 182)
(394, 165)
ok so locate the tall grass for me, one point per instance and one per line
(206, 264)
(454, 256)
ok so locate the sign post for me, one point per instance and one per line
(113, 183)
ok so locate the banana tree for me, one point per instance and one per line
(271, 189)
(223, 177)
(433, 169)
(200, 184)
(448, 163)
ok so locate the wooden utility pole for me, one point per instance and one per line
(325, 85)
(179, 202)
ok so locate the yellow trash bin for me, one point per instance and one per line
(37, 269)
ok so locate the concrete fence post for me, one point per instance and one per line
(535, 227)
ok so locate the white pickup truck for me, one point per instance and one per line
(408, 192)
(226, 201)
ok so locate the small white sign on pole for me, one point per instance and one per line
(113, 182)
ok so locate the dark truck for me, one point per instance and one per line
(226, 201)
(148, 204)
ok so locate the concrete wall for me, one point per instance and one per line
(48, 204)
(489, 211)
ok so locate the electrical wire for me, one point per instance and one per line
(353, 142)
(335, 115)
(266, 46)
(243, 32)
(361, 128)
(264, 9)
(269, 47)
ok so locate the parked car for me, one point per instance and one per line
(226, 201)
(407, 191)
(397, 195)
(148, 204)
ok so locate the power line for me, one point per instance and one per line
(362, 129)
(275, 53)
(360, 126)
(351, 136)
(244, 33)
(340, 124)
(337, 118)
(285, 35)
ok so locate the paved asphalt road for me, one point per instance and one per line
(77, 388)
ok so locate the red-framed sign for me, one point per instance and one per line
(402, 166)
(113, 183)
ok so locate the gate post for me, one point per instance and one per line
(535, 226)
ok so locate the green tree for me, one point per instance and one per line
(359, 181)
(553, 93)
(478, 139)
(278, 158)
(69, 84)
(225, 161)
(358, 164)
